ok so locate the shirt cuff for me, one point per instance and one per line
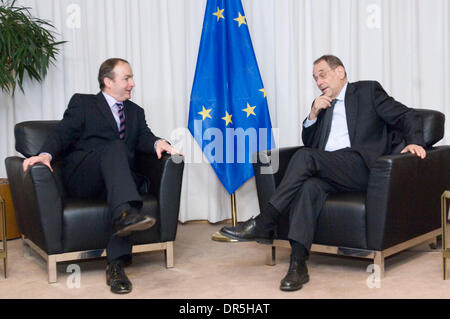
(161, 139)
(308, 122)
(51, 157)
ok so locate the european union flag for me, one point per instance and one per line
(228, 115)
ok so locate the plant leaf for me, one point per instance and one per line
(27, 45)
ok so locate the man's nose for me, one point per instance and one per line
(319, 82)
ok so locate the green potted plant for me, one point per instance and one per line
(27, 46)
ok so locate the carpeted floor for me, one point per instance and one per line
(208, 269)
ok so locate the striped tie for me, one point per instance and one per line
(122, 121)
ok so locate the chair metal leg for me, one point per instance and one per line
(25, 248)
(444, 221)
(271, 256)
(52, 271)
(169, 254)
(4, 251)
(433, 243)
(444, 264)
(379, 261)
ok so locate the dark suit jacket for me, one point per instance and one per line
(88, 124)
(373, 119)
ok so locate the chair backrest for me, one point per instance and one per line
(433, 131)
(30, 136)
(433, 126)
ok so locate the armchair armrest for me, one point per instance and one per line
(38, 204)
(166, 176)
(403, 196)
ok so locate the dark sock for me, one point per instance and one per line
(268, 217)
(123, 260)
(298, 250)
(136, 204)
(116, 261)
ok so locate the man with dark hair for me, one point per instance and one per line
(98, 137)
(344, 134)
(332, 61)
(107, 70)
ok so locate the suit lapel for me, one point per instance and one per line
(106, 111)
(351, 110)
(128, 119)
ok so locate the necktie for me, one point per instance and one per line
(122, 120)
(326, 127)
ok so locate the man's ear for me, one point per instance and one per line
(341, 72)
(107, 81)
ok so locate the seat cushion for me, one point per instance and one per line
(87, 226)
(342, 222)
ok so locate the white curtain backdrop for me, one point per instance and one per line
(403, 44)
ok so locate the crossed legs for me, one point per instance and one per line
(105, 172)
(310, 176)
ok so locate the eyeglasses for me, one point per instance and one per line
(322, 75)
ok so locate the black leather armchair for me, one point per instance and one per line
(400, 209)
(60, 228)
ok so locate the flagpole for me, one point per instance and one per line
(218, 236)
(233, 210)
(218, 98)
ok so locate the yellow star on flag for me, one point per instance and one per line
(227, 119)
(264, 91)
(250, 110)
(219, 14)
(240, 19)
(205, 113)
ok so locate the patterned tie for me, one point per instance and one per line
(326, 127)
(122, 121)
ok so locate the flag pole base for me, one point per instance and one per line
(221, 238)
(218, 236)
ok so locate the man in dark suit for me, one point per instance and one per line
(98, 137)
(345, 132)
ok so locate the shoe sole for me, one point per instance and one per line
(300, 286)
(119, 292)
(142, 225)
(264, 241)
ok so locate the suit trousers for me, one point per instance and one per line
(105, 173)
(310, 176)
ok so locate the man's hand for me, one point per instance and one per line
(162, 146)
(415, 149)
(320, 103)
(42, 159)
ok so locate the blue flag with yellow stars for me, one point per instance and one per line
(229, 117)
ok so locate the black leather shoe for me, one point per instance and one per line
(297, 275)
(247, 231)
(131, 221)
(117, 279)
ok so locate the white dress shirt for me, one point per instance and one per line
(338, 137)
(112, 102)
